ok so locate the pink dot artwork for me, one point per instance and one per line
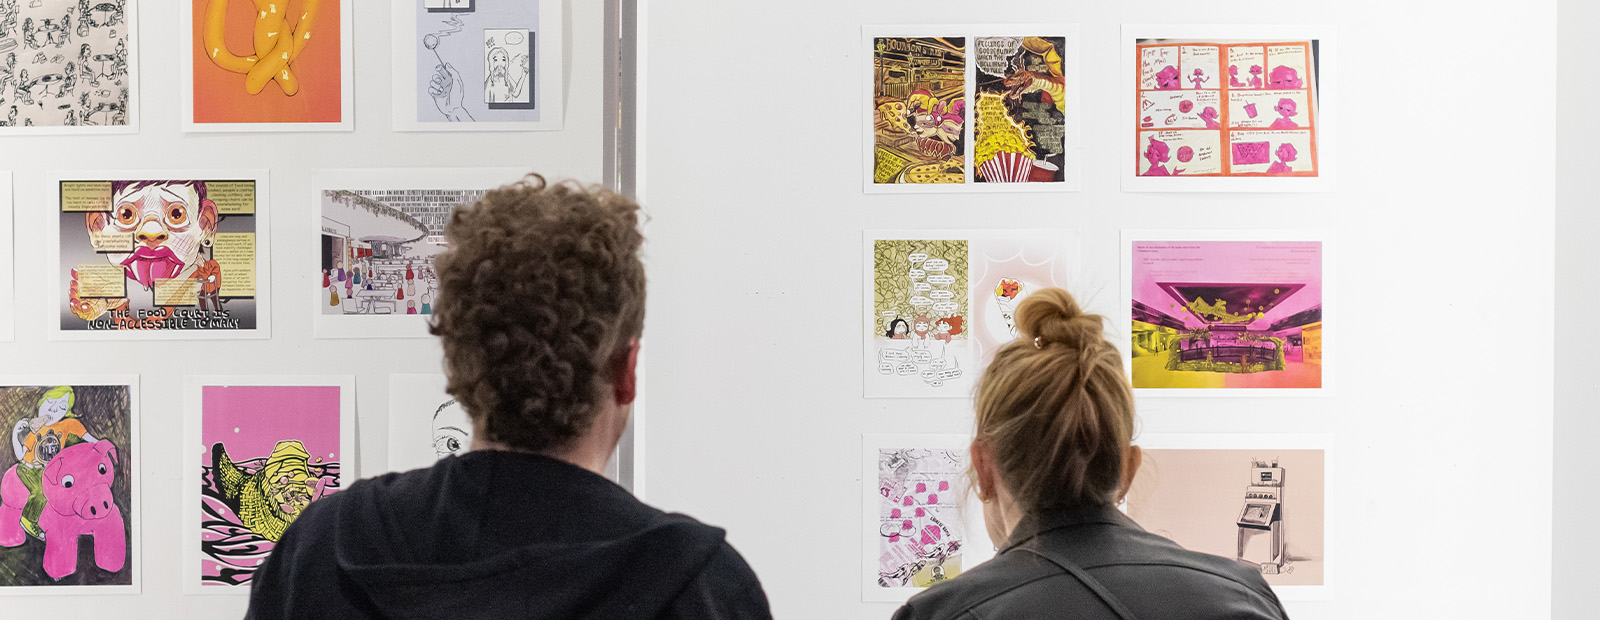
(894, 538)
(906, 501)
(1185, 106)
(920, 513)
(922, 487)
(1185, 154)
(906, 524)
(894, 514)
(944, 485)
(933, 498)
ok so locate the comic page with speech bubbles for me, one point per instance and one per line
(1226, 108)
(967, 108)
(940, 303)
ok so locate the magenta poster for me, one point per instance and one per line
(1227, 314)
(268, 452)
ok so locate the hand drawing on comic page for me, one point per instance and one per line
(919, 110)
(63, 63)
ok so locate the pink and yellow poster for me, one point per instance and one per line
(1236, 315)
(267, 448)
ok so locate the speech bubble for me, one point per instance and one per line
(918, 274)
(938, 364)
(906, 369)
(921, 301)
(936, 264)
(994, 53)
(942, 279)
(941, 295)
(513, 38)
(894, 355)
(886, 368)
(917, 257)
(921, 356)
(889, 313)
(946, 307)
(927, 375)
(936, 384)
(946, 375)
(921, 287)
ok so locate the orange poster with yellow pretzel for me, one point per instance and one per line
(269, 65)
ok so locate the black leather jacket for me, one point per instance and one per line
(1093, 565)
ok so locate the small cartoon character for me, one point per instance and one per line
(1199, 78)
(946, 327)
(936, 121)
(1255, 76)
(1157, 153)
(1285, 108)
(1286, 153)
(1005, 297)
(8, 18)
(24, 92)
(101, 15)
(1167, 79)
(47, 32)
(1285, 77)
(1233, 77)
(920, 330)
(898, 330)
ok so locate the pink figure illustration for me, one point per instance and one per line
(1167, 79)
(1255, 76)
(1285, 77)
(1286, 108)
(1199, 78)
(1286, 154)
(1233, 77)
(1157, 154)
(1209, 115)
(1250, 109)
(78, 502)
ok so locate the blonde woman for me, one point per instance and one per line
(1051, 459)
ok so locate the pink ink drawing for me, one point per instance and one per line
(1199, 78)
(1209, 115)
(1185, 154)
(1285, 77)
(1255, 76)
(1287, 108)
(78, 502)
(1233, 77)
(1158, 154)
(1250, 109)
(1167, 79)
(1251, 152)
(1286, 154)
(1185, 106)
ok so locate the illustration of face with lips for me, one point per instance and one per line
(170, 221)
(1167, 78)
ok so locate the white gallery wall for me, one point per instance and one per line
(291, 160)
(1577, 388)
(1442, 213)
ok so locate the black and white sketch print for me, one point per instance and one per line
(64, 63)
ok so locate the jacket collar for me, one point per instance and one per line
(1033, 525)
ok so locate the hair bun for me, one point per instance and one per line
(1052, 316)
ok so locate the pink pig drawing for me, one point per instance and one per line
(78, 501)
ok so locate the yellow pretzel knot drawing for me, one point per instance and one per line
(276, 43)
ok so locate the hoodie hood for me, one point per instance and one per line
(507, 535)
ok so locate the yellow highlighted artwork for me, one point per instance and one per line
(276, 43)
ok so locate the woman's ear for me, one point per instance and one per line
(983, 467)
(1130, 470)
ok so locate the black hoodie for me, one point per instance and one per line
(500, 535)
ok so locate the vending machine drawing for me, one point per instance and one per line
(1262, 540)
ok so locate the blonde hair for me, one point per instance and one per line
(1055, 408)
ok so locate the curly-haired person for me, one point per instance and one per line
(540, 306)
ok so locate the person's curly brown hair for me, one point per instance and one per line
(540, 293)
